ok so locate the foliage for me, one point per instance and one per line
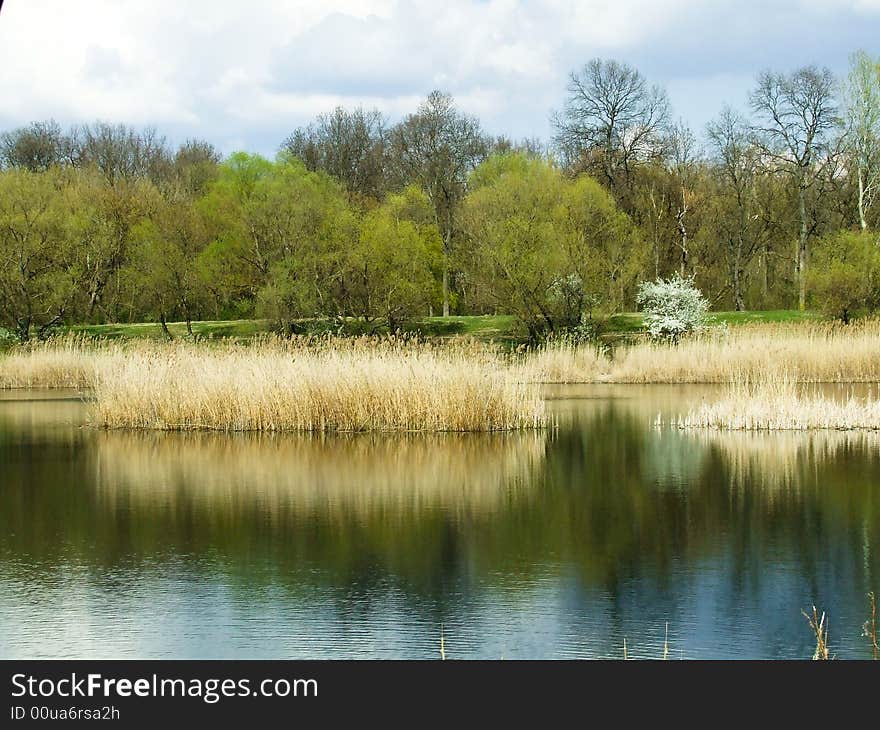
(845, 274)
(548, 249)
(673, 307)
(38, 272)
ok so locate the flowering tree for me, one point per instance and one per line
(672, 307)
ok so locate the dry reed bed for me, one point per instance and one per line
(272, 385)
(813, 352)
(63, 362)
(816, 352)
(776, 403)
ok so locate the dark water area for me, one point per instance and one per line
(536, 545)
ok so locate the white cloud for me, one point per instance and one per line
(236, 72)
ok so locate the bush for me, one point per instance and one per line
(844, 276)
(672, 307)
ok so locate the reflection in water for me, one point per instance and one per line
(364, 474)
(519, 545)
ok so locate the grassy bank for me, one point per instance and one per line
(503, 328)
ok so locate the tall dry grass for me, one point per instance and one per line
(777, 402)
(814, 352)
(61, 362)
(329, 385)
(810, 352)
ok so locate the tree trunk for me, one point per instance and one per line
(765, 273)
(445, 287)
(862, 222)
(24, 330)
(738, 302)
(165, 329)
(802, 249)
(447, 247)
(682, 230)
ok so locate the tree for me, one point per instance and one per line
(36, 147)
(436, 148)
(284, 230)
(797, 113)
(548, 249)
(684, 168)
(121, 152)
(195, 166)
(109, 215)
(38, 279)
(350, 146)
(163, 272)
(390, 267)
(845, 275)
(736, 169)
(611, 115)
(862, 120)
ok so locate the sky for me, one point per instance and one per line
(244, 74)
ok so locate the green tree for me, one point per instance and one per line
(279, 234)
(862, 117)
(390, 267)
(38, 272)
(845, 274)
(163, 274)
(437, 148)
(550, 250)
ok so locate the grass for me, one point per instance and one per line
(774, 402)
(489, 327)
(329, 385)
(809, 351)
(816, 352)
(237, 329)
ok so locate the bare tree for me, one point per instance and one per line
(348, 145)
(684, 161)
(121, 152)
(36, 147)
(797, 113)
(611, 112)
(862, 118)
(437, 148)
(736, 158)
(195, 165)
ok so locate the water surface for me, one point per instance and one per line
(537, 545)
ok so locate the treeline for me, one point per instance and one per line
(357, 218)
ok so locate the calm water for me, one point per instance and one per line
(554, 545)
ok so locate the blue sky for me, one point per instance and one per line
(244, 74)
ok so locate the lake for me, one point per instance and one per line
(559, 544)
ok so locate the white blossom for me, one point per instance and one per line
(672, 307)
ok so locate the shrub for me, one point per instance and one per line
(672, 307)
(844, 276)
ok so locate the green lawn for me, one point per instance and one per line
(236, 328)
(499, 327)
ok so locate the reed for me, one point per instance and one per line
(811, 352)
(776, 403)
(61, 362)
(332, 385)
